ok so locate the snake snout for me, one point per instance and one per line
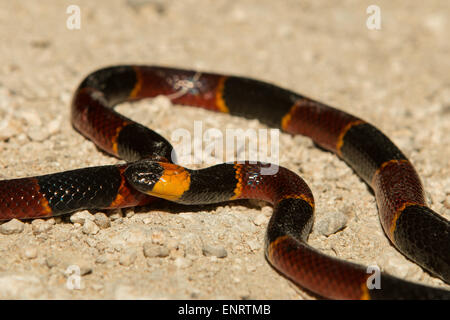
(160, 179)
(143, 175)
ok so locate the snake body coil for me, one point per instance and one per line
(418, 232)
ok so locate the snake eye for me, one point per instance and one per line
(145, 177)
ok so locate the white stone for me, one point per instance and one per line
(128, 257)
(216, 251)
(11, 227)
(81, 216)
(90, 227)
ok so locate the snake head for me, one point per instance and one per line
(160, 179)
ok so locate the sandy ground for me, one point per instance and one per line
(395, 77)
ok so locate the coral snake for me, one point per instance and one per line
(416, 231)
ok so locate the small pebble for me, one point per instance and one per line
(115, 214)
(176, 252)
(244, 294)
(447, 201)
(97, 286)
(80, 266)
(147, 220)
(254, 245)
(90, 227)
(102, 259)
(102, 220)
(172, 244)
(267, 211)
(40, 226)
(31, 117)
(331, 224)
(152, 250)
(51, 261)
(101, 246)
(9, 127)
(54, 125)
(85, 269)
(183, 263)
(429, 198)
(260, 219)
(13, 226)
(396, 265)
(38, 134)
(129, 214)
(62, 237)
(216, 251)
(81, 216)
(20, 286)
(158, 237)
(125, 292)
(251, 268)
(153, 262)
(29, 252)
(128, 258)
(195, 293)
(91, 242)
(192, 244)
